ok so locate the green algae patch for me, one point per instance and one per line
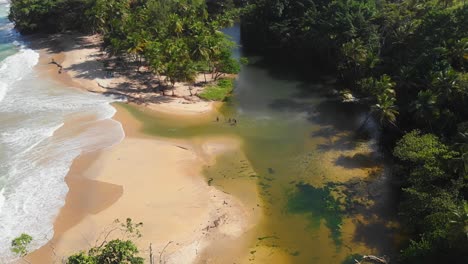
(218, 91)
(175, 126)
(319, 204)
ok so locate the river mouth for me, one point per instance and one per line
(323, 188)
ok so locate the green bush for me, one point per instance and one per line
(218, 91)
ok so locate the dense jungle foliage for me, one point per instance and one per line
(407, 60)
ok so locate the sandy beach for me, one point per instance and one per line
(156, 181)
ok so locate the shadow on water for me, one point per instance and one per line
(370, 202)
(318, 204)
(358, 160)
(341, 116)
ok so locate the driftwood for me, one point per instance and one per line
(58, 65)
(151, 253)
(162, 251)
(102, 86)
(372, 259)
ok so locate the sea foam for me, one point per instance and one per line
(15, 67)
(38, 142)
(36, 157)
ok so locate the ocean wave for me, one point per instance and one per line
(15, 67)
(39, 158)
(36, 189)
(43, 128)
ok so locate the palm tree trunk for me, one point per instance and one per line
(139, 62)
(430, 126)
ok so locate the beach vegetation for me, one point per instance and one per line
(219, 90)
(20, 244)
(81, 258)
(119, 250)
(113, 252)
(122, 249)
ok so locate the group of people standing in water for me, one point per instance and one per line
(231, 121)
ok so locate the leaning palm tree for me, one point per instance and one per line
(385, 108)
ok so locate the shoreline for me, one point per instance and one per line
(100, 189)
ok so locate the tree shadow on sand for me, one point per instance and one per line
(56, 43)
(152, 99)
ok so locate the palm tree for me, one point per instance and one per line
(201, 50)
(446, 83)
(354, 56)
(137, 48)
(385, 108)
(426, 106)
